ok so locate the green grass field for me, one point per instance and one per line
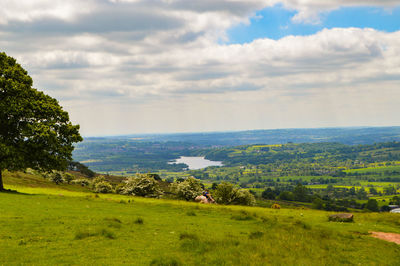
(52, 225)
(374, 169)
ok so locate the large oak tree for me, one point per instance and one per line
(35, 132)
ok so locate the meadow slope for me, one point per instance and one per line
(49, 225)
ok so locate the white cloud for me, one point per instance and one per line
(28, 10)
(309, 10)
(127, 66)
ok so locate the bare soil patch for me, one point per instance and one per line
(391, 237)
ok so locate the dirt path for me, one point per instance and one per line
(391, 237)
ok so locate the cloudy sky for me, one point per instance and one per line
(143, 66)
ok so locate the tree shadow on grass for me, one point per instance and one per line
(10, 191)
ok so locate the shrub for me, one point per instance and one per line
(286, 195)
(385, 208)
(226, 193)
(318, 204)
(67, 177)
(268, 194)
(188, 189)
(119, 189)
(98, 180)
(142, 185)
(155, 177)
(372, 205)
(245, 197)
(103, 187)
(56, 178)
(82, 182)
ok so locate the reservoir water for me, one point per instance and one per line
(195, 163)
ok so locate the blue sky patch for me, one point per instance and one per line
(276, 22)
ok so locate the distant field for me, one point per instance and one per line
(377, 185)
(377, 169)
(49, 225)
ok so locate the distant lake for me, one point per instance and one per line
(195, 163)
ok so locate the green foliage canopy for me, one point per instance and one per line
(372, 205)
(103, 187)
(226, 193)
(35, 132)
(188, 189)
(142, 185)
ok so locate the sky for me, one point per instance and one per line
(159, 66)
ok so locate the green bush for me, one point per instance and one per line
(226, 193)
(97, 180)
(142, 185)
(56, 178)
(119, 189)
(318, 204)
(286, 195)
(244, 197)
(83, 182)
(372, 205)
(103, 187)
(188, 189)
(67, 177)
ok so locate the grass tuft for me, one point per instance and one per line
(191, 213)
(113, 222)
(165, 262)
(107, 234)
(139, 220)
(83, 234)
(186, 235)
(256, 235)
(302, 224)
(242, 217)
(101, 232)
(116, 220)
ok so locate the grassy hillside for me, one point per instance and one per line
(46, 224)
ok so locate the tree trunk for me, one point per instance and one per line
(1, 181)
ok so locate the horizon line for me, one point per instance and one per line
(232, 131)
